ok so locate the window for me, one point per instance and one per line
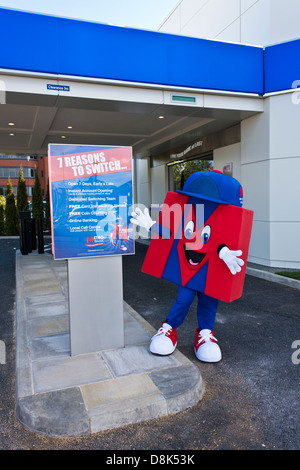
(180, 171)
(4, 188)
(9, 172)
(13, 172)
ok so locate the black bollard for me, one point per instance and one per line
(40, 236)
(25, 232)
(23, 239)
(33, 234)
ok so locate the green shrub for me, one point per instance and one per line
(11, 220)
(37, 199)
(2, 220)
(22, 198)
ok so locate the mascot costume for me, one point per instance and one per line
(201, 243)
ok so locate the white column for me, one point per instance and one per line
(96, 304)
(270, 160)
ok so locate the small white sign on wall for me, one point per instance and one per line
(228, 169)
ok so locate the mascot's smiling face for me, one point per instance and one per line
(193, 246)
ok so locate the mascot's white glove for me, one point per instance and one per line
(142, 219)
(231, 259)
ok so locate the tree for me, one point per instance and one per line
(47, 208)
(22, 198)
(37, 199)
(2, 215)
(11, 221)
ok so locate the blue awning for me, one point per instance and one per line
(48, 44)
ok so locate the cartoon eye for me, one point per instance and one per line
(189, 230)
(205, 234)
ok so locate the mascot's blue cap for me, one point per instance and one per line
(214, 186)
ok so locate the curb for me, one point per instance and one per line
(65, 413)
(267, 276)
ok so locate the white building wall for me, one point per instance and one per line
(255, 178)
(159, 188)
(269, 162)
(284, 181)
(230, 154)
(200, 18)
(142, 176)
(256, 22)
(270, 170)
(159, 183)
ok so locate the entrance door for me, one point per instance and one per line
(180, 171)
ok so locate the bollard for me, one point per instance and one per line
(23, 238)
(29, 234)
(33, 234)
(40, 236)
(25, 232)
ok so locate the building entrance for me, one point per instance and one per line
(178, 172)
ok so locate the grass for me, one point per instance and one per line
(291, 274)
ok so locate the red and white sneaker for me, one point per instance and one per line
(165, 340)
(206, 348)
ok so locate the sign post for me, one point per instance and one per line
(91, 202)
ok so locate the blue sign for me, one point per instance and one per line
(91, 200)
(58, 87)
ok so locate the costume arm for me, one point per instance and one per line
(143, 219)
(231, 258)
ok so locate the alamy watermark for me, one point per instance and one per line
(186, 220)
(2, 92)
(2, 352)
(296, 353)
(173, 219)
(296, 93)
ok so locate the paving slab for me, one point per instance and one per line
(63, 395)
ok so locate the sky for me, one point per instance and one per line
(141, 14)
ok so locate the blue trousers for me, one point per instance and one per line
(206, 309)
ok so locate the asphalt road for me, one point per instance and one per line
(251, 399)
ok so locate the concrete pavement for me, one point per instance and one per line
(62, 395)
(251, 397)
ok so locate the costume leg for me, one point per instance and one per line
(180, 307)
(206, 311)
(165, 340)
(206, 347)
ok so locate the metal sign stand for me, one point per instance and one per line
(96, 304)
